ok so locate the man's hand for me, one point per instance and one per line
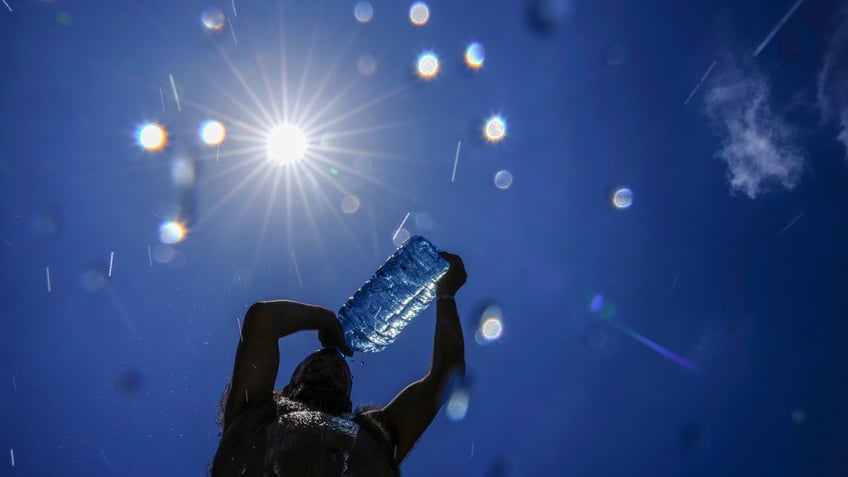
(455, 277)
(331, 334)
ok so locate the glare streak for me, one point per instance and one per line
(790, 224)
(233, 191)
(233, 31)
(456, 160)
(10, 9)
(656, 347)
(14, 384)
(48, 280)
(108, 464)
(269, 207)
(149, 256)
(777, 27)
(472, 450)
(174, 89)
(162, 97)
(238, 323)
(699, 83)
(399, 227)
(111, 261)
(235, 13)
(296, 268)
(341, 117)
(11, 451)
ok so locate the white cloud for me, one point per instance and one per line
(757, 144)
(833, 83)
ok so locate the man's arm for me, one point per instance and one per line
(409, 414)
(258, 353)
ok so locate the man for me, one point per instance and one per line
(308, 428)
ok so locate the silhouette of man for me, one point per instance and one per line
(308, 428)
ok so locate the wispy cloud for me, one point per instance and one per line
(757, 144)
(833, 82)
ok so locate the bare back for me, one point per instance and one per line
(286, 439)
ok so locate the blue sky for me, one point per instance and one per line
(699, 331)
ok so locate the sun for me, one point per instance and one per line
(286, 144)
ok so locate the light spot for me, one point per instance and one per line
(364, 12)
(286, 144)
(597, 303)
(491, 325)
(366, 65)
(212, 132)
(93, 279)
(182, 172)
(428, 65)
(424, 220)
(457, 406)
(623, 198)
(151, 136)
(474, 56)
(213, 19)
(798, 416)
(350, 203)
(419, 14)
(164, 253)
(495, 129)
(503, 179)
(171, 232)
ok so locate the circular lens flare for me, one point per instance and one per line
(213, 19)
(428, 65)
(419, 13)
(495, 129)
(364, 12)
(623, 198)
(286, 144)
(171, 232)
(151, 136)
(212, 132)
(474, 56)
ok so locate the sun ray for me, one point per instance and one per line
(358, 109)
(304, 75)
(307, 110)
(268, 209)
(241, 184)
(268, 120)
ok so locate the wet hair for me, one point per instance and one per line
(329, 350)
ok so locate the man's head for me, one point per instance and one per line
(323, 381)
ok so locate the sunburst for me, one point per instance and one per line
(290, 142)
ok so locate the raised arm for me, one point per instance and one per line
(258, 353)
(409, 414)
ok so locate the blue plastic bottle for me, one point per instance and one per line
(397, 292)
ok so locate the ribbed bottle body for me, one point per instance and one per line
(398, 291)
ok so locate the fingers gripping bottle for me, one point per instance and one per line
(398, 291)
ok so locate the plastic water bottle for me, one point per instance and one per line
(397, 292)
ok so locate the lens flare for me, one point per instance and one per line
(171, 232)
(495, 129)
(151, 136)
(623, 198)
(350, 204)
(212, 132)
(419, 13)
(428, 65)
(286, 144)
(491, 325)
(474, 56)
(503, 179)
(213, 19)
(364, 12)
